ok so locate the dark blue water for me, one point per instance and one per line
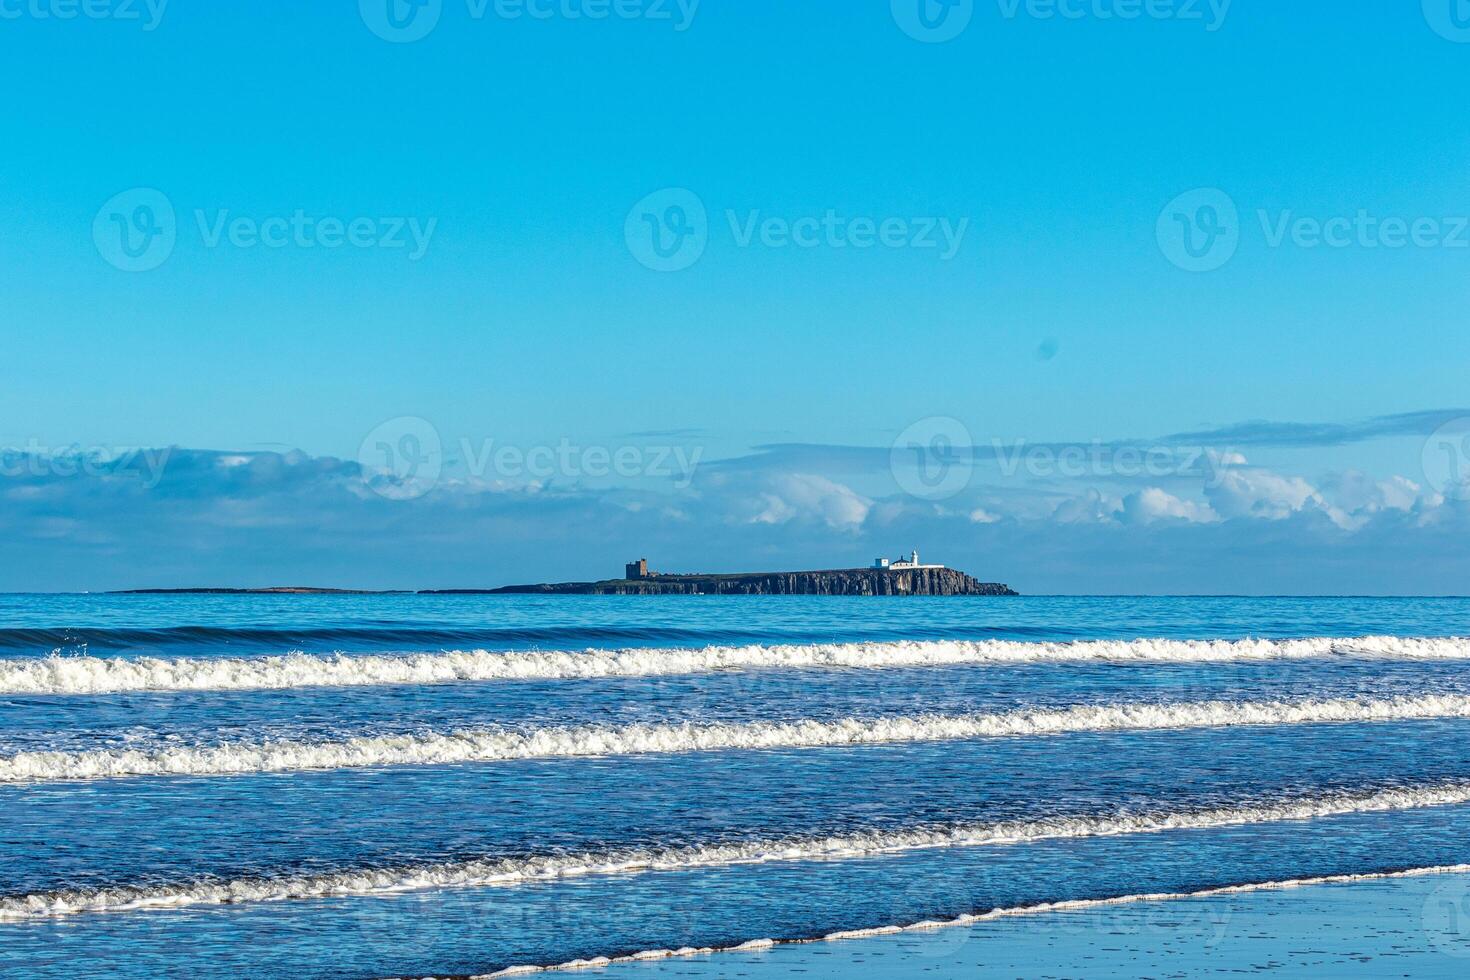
(92, 840)
(229, 625)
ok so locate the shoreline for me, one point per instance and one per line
(1401, 903)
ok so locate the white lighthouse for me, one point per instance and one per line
(912, 561)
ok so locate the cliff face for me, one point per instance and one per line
(851, 581)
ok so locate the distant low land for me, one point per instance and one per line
(273, 590)
(929, 580)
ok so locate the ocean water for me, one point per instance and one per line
(407, 786)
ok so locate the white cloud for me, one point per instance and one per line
(1154, 504)
(1359, 494)
(774, 511)
(804, 496)
(1261, 494)
(1090, 508)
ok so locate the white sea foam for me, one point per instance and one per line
(498, 744)
(509, 871)
(754, 945)
(108, 675)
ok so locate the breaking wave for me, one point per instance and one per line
(498, 744)
(70, 675)
(503, 871)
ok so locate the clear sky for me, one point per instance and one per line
(1030, 283)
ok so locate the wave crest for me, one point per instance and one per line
(497, 745)
(86, 675)
(501, 871)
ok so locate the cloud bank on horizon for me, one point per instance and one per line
(1190, 513)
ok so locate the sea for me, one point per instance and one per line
(375, 786)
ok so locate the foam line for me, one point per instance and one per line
(510, 871)
(498, 744)
(754, 945)
(78, 675)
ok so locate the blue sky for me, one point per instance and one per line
(1057, 150)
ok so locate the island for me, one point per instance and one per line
(898, 577)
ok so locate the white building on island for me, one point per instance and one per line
(912, 561)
